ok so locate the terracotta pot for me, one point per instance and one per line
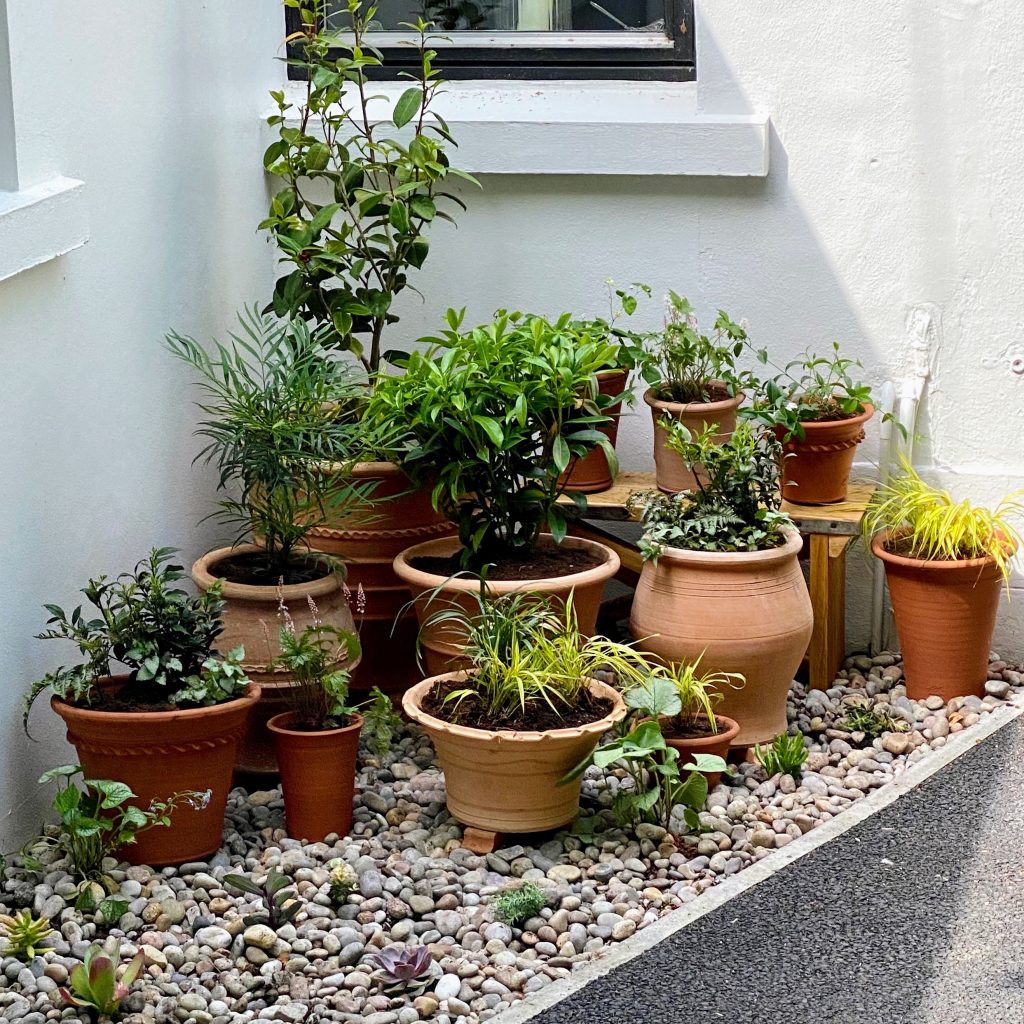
(671, 473)
(318, 776)
(367, 542)
(718, 744)
(746, 612)
(816, 470)
(592, 473)
(508, 781)
(251, 619)
(159, 753)
(945, 615)
(441, 645)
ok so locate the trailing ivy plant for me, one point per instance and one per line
(358, 192)
(493, 416)
(736, 505)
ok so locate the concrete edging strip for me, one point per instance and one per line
(719, 894)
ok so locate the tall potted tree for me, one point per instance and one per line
(945, 563)
(275, 428)
(172, 719)
(693, 381)
(495, 415)
(359, 188)
(721, 580)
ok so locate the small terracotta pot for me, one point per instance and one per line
(251, 619)
(671, 473)
(592, 473)
(717, 744)
(318, 776)
(367, 542)
(736, 611)
(159, 753)
(945, 615)
(441, 645)
(816, 470)
(508, 781)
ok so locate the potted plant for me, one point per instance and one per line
(721, 580)
(944, 563)
(685, 700)
(495, 415)
(316, 742)
(694, 381)
(593, 472)
(384, 178)
(275, 426)
(819, 411)
(526, 711)
(172, 721)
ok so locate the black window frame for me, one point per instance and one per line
(561, 63)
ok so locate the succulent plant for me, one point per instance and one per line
(26, 935)
(94, 984)
(343, 879)
(401, 967)
(281, 904)
(518, 903)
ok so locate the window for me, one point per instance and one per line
(542, 39)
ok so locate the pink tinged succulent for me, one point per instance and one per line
(402, 964)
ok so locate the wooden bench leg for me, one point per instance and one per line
(828, 600)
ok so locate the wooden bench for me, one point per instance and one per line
(828, 531)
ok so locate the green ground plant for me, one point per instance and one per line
(94, 985)
(25, 936)
(516, 904)
(786, 755)
(280, 904)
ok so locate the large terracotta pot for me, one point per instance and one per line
(945, 615)
(816, 470)
(442, 644)
(367, 542)
(508, 781)
(717, 743)
(318, 776)
(592, 473)
(746, 612)
(251, 619)
(671, 473)
(159, 753)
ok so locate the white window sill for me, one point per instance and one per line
(633, 128)
(40, 223)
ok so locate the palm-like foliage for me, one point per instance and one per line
(928, 524)
(280, 417)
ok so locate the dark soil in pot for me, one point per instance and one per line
(251, 569)
(541, 565)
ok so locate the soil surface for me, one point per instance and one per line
(538, 716)
(544, 565)
(715, 393)
(251, 569)
(134, 698)
(693, 728)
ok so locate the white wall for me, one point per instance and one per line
(895, 183)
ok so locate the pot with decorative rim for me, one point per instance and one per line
(507, 781)
(442, 644)
(367, 541)
(592, 473)
(672, 475)
(945, 615)
(159, 753)
(251, 618)
(734, 611)
(816, 469)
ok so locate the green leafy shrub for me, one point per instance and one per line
(386, 180)
(492, 417)
(380, 722)
(94, 984)
(787, 755)
(280, 904)
(516, 904)
(737, 504)
(25, 936)
(158, 631)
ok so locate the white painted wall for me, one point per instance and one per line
(895, 182)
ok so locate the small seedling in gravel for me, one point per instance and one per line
(281, 904)
(94, 984)
(343, 879)
(518, 903)
(873, 722)
(786, 755)
(26, 935)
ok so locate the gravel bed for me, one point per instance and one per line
(415, 884)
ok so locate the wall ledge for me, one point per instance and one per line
(593, 128)
(40, 223)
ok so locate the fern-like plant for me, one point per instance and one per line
(925, 522)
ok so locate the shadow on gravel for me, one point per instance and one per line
(849, 934)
